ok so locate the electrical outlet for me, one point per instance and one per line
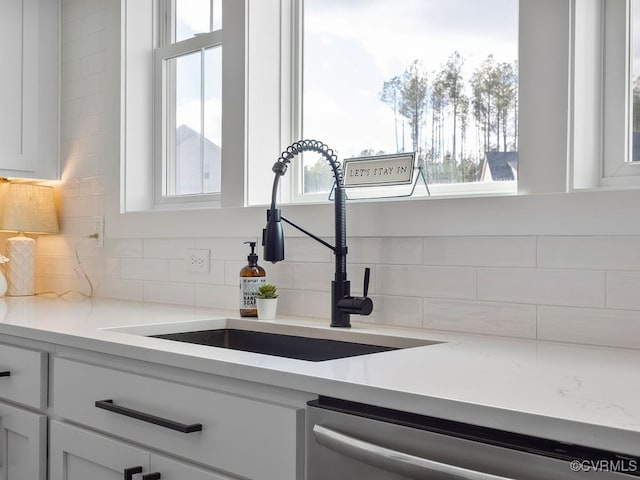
(98, 231)
(198, 261)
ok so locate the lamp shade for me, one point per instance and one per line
(27, 208)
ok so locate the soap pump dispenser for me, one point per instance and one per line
(252, 276)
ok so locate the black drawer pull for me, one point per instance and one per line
(151, 476)
(145, 417)
(5, 374)
(131, 471)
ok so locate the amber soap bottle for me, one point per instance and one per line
(252, 276)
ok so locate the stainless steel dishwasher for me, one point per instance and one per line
(353, 441)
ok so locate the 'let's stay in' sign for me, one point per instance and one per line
(379, 170)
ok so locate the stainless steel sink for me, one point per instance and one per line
(282, 340)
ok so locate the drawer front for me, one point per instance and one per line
(240, 436)
(23, 376)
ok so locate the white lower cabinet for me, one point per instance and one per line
(23, 444)
(244, 434)
(78, 454)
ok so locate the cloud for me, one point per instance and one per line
(352, 47)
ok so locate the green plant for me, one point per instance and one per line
(267, 291)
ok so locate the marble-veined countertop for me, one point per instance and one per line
(572, 393)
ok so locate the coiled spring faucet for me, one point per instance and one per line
(342, 303)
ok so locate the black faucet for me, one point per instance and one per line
(342, 303)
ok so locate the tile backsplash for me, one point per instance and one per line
(580, 289)
(543, 293)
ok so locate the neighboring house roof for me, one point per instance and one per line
(185, 133)
(500, 166)
(188, 168)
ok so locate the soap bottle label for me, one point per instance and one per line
(248, 290)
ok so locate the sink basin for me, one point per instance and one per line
(314, 344)
(289, 346)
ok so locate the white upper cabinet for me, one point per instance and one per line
(29, 88)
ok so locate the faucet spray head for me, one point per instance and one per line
(273, 237)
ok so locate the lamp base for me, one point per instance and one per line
(21, 251)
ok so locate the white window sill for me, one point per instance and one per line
(589, 212)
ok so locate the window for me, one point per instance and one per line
(188, 84)
(606, 80)
(635, 80)
(438, 78)
(173, 111)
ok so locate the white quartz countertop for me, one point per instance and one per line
(572, 393)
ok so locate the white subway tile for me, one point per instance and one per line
(232, 272)
(423, 281)
(60, 284)
(490, 318)
(105, 267)
(385, 250)
(81, 165)
(313, 276)
(396, 311)
(77, 228)
(590, 252)
(507, 251)
(623, 290)
(593, 326)
(120, 289)
(218, 296)
(232, 248)
(123, 247)
(579, 288)
(304, 304)
(83, 187)
(280, 274)
(81, 207)
(46, 265)
(307, 250)
(167, 247)
(168, 292)
(52, 245)
(144, 269)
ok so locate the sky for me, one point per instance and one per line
(191, 20)
(352, 47)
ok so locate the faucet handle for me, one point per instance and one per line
(365, 289)
(357, 305)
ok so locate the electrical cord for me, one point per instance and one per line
(80, 273)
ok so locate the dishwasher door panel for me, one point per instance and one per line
(380, 450)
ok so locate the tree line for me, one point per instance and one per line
(434, 113)
(437, 108)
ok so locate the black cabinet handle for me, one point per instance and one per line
(146, 417)
(131, 471)
(5, 374)
(151, 476)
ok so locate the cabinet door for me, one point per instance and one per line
(29, 145)
(174, 470)
(77, 454)
(23, 449)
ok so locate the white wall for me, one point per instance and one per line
(562, 267)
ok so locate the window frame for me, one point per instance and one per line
(139, 35)
(296, 183)
(548, 153)
(601, 142)
(164, 111)
(618, 169)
